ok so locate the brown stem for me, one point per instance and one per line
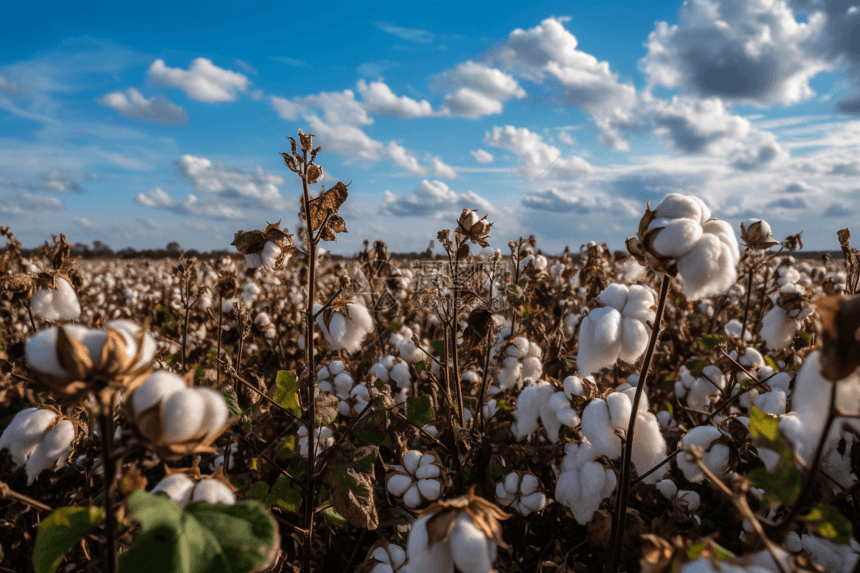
(749, 298)
(482, 395)
(30, 312)
(455, 320)
(623, 491)
(185, 324)
(220, 330)
(309, 365)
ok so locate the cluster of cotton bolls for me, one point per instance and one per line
(390, 369)
(38, 439)
(583, 482)
(386, 557)
(323, 439)
(185, 490)
(617, 330)
(334, 379)
(669, 490)
(520, 360)
(553, 408)
(700, 393)
(417, 478)
(265, 324)
(713, 444)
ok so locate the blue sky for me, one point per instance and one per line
(141, 126)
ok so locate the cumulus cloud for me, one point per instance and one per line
(535, 156)
(203, 81)
(482, 156)
(432, 199)
(847, 169)
(378, 98)
(416, 35)
(158, 199)
(133, 104)
(54, 181)
(695, 125)
(440, 169)
(754, 52)
(257, 188)
(404, 158)
(559, 201)
(478, 90)
(761, 151)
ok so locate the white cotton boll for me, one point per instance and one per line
(213, 491)
(532, 369)
(691, 498)
(778, 329)
(41, 352)
(253, 260)
(262, 320)
(709, 268)
(667, 488)
(510, 377)
(532, 502)
(250, 293)
(412, 498)
(752, 359)
(25, 432)
(524, 262)
(216, 411)
(343, 382)
(398, 484)
(430, 489)
(471, 551)
(94, 340)
(615, 296)
(598, 430)
(573, 386)
(57, 304)
(634, 340)
(519, 347)
(649, 446)
(716, 456)
(534, 402)
(781, 381)
(831, 556)
(792, 542)
(678, 236)
(571, 321)
(423, 557)
(270, 255)
(184, 416)
(428, 471)
(411, 459)
(401, 375)
(380, 371)
(54, 449)
(772, 402)
(160, 385)
(564, 413)
(178, 487)
(639, 305)
(335, 367)
(599, 340)
(388, 361)
(470, 377)
(323, 373)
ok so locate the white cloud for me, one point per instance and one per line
(155, 199)
(482, 156)
(204, 81)
(378, 98)
(753, 51)
(133, 104)
(479, 90)
(440, 169)
(296, 63)
(404, 158)
(86, 224)
(433, 199)
(536, 156)
(23, 204)
(218, 180)
(158, 199)
(416, 35)
(245, 67)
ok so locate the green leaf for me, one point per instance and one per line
(258, 492)
(806, 337)
(467, 474)
(418, 411)
(205, 538)
(61, 530)
(334, 517)
(393, 327)
(347, 482)
(386, 442)
(420, 367)
(438, 345)
(285, 494)
(212, 356)
(365, 464)
(371, 436)
(411, 315)
(719, 552)
(711, 341)
(763, 425)
(230, 398)
(287, 391)
(287, 448)
(380, 385)
(830, 523)
(771, 363)
(669, 407)
(522, 283)
(198, 372)
(172, 358)
(698, 364)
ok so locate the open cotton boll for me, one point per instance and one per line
(833, 557)
(41, 352)
(269, 256)
(380, 371)
(25, 433)
(130, 331)
(716, 456)
(511, 376)
(216, 410)
(57, 304)
(184, 416)
(534, 403)
(778, 329)
(690, 498)
(583, 483)
(177, 487)
(401, 375)
(598, 429)
(52, 451)
(253, 260)
(772, 402)
(346, 332)
(213, 491)
(599, 340)
(667, 488)
(343, 383)
(160, 385)
(615, 296)
(709, 268)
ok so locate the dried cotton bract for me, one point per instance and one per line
(39, 439)
(270, 248)
(462, 532)
(616, 331)
(679, 237)
(73, 361)
(176, 419)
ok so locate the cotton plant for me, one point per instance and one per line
(522, 491)
(462, 532)
(39, 439)
(184, 489)
(759, 562)
(176, 419)
(344, 325)
(418, 478)
(701, 392)
(713, 444)
(57, 303)
(385, 557)
(323, 439)
(680, 238)
(617, 330)
(601, 419)
(583, 482)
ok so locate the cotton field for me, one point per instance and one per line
(688, 405)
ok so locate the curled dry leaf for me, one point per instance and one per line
(840, 325)
(330, 200)
(254, 242)
(485, 516)
(353, 493)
